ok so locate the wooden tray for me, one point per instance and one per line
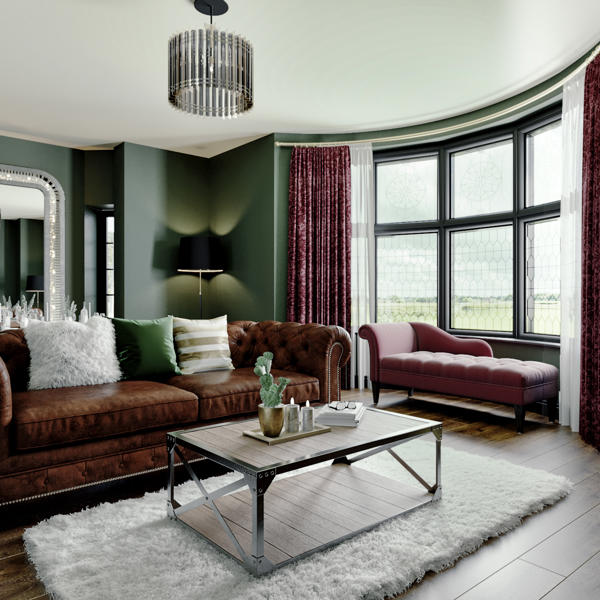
(286, 437)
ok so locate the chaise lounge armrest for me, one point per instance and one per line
(434, 339)
(397, 338)
(5, 409)
(318, 350)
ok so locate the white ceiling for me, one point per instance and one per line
(85, 73)
(18, 202)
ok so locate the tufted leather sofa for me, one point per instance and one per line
(56, 439)
(419, 355)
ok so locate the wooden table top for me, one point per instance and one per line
(226, 444)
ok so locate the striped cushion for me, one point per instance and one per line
(201, 345)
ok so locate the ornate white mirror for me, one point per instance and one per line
(29, 195)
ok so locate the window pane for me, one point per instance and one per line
(482, 279)
(542, 280)
(407, 190)
(110, 306)
(110, 229)
(544, 165)
(482, 180)
(407, 278)
(110, 281)
(110, 256)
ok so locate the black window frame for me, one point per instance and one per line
(517, 217)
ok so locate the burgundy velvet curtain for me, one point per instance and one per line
(319, 236)
(589, 419)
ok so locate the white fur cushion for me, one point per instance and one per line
(68, 353)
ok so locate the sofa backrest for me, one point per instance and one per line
(290, 343)
(15, 354)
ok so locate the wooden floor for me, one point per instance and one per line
(554, 555)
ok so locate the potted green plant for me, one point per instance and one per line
(270, 411)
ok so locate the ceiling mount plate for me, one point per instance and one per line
(219, 7)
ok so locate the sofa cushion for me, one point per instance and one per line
(506, 371)
(145, 348)
(225, 393)
(202, 344)
(51, 417)
(505, 380)
(69, 353)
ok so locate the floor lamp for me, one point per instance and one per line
(199, 254)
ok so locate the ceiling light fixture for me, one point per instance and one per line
(210, 72)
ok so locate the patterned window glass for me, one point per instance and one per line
(407, 190)
(544, 165)
(542, 277)
(481, 273)
(482, 180)
(407, 278)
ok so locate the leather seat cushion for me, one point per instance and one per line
(51, 417)
(226, 393)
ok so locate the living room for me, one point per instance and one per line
(401, 212)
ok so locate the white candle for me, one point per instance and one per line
(291, 417)
(308, 417)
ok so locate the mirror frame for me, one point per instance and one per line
(54, 231)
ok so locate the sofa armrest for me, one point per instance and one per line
(5, 409)
(312, 349)
(385, 339)
(433, 339)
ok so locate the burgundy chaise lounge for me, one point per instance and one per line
(419, 355)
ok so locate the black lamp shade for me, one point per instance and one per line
(199, 253)
(34, 283)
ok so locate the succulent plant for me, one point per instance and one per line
(270, 392)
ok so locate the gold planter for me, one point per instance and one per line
(270, 419)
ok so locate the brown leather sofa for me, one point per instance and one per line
(57, 439)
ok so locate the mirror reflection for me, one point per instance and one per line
(21, 243)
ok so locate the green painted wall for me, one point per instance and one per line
(66, 165)
(243, 211)
(98, 175)
(159, 196)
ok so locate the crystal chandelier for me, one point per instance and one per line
(210, 71)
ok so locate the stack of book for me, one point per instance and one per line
(344, 414)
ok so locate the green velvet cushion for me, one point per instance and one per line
(145, 348)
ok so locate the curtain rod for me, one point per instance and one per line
(450, 128)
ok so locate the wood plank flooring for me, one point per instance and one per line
(554, 555)
(349, 497)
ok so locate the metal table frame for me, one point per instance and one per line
(258, 481)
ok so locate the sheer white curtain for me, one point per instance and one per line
(570, 251)
(363, 256)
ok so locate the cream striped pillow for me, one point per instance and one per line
(201, 344)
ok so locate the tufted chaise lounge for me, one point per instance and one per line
(419, 355)
(62, 438)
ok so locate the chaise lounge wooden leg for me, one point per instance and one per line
(411, 392)
(552, 409)
(375, 387)
(520, 417)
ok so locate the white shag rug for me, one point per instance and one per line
(130, 549)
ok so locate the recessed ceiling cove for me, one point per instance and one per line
(91, 73)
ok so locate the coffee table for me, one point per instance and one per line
(307, 511)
